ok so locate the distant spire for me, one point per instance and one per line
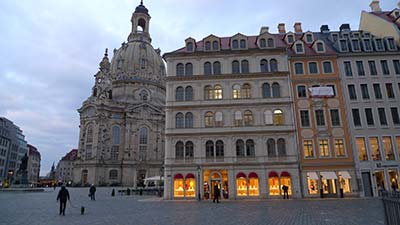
(106, 53)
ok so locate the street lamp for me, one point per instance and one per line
(159, 183)
(198, 183)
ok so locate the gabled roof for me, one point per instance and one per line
(70, 156)
(386, 16)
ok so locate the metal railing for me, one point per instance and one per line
(391, 204)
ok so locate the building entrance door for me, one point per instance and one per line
(213, 182)
(366, 178)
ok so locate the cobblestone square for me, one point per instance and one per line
(42, 208)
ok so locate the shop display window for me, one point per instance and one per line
(394, 181)
(178, 186)
(241, 184)
(253, 185)
(328, 186)
(312, 186)
(345, 185)
(380, 180)
(190, 186)
(273, 183)
(285, 180)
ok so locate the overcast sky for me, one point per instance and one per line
(50, 50)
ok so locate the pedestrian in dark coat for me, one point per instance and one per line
(216, 193)
(92, 192)
(63, 196)
(285, 192)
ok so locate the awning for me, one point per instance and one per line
(241, 175)
(285, 174)
(273, 174)
(155, 178)
(253, 175)
(189, 175)
(328, 175)
(321, 92)
(312, 175)
(345, 174)
(178, 176)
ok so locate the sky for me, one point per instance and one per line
(50, 50)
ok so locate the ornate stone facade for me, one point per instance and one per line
(122, 122)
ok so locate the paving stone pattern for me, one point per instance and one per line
(42, 209)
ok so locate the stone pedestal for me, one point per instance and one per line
(21, 179)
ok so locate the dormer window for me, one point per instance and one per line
(263, 43)
(395, 13)
(334, 37)
(189, 47)
(215, 45)
(208, 46)
(391, 44)
(309, 38)
(366, 34)
(235, 44)
(345, 35)
(270, 43)
(320, 47)
(242, 43)
(356, 35)
(379, 44)
(355, 44)
(299, 48)
(367, 45)
(343, 45)
(290, 39)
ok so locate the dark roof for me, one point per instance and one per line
(386, 16)
(142, 9)
(33, 150)
(71, 156)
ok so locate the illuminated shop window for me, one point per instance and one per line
(178, 186)
(273, 183)
(344, 179)
(190, 185)
(241, 184)
(285, 180)
(394, 180)
(253, 185)
(312, 181)
(329, 182)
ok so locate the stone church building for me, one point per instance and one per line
(122, 123)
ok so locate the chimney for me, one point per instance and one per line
(281, 28)
(345, 27)
(297, 28)
(324, 29)
(264, 30)
(375, 6)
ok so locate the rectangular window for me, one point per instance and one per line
(299, 48)
(356, 117)
(372, 68)
(374, 147)
(352, 92)
(388, 147)
(301, 91)
(377, 90)
(389, 90)
(323, 148)
(360, 68)
(312, 67)
(298, 68)
(339, 148)
(343, 46)
(379, 45)
(361, 149)
(308, 149)
(385, 67)
(395, 115)
(364, 91)
(356, 45)
(319, 116)
(391, 44)
(396, 65)
(367, 45)
(335, 119)
(382, 116)
(369, 116)
(347, 69)
(327, 67)
(398, 145)
(304, 118)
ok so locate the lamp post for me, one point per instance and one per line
(159, 184)
(198, 183)
(321, 188)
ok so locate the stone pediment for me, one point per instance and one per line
(144, 109)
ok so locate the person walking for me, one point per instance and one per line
(63, 196)
(216, 193)
(285, 192)
(92, 192)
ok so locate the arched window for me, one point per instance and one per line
(207, 68)
(238, 118)
(281, 147)
(235, 44)
(273, 183)
(320, 47)
(246, 91)
(189, 120)
(179, 120)
(179, 185)
(263, 43)
(188, 93)
(253, 185)
(188, 69)
(179, 150)
(264, 65)
(116, 135)
(285, 180)
(189, 47)
(276, 92)
(209, 149)
(278, 117)
(245, 66)
(241, 184)
(236, 91)
(217, 67)
(235, 67)
(179, 94)
(240, 148)
(217, 91)
(266, 90)
(143, 140)
(113, 174)
(250, 148)
(248, 118)
(270, 43)
(271, 147)
(208, 45)
(144, 95)
(215, 45)
(179, 69)
(209, 119)
(268, 117)
(242, 43)
(208, 92)
(309, 38)
(219, 119)
(273, 64)
(89, 140)
(189, 149)
(219, 148)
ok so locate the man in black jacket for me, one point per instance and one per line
(63, 196)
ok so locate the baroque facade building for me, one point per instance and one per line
(65, 167)
(230, 119)
(122, 122)
(33, 165)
